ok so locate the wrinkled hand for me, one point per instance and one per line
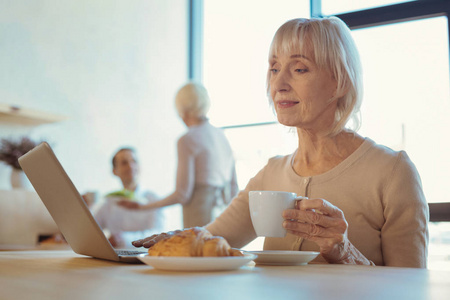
(320, 221)
(153, 239)
(125, 203)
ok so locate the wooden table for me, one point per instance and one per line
(66, 275)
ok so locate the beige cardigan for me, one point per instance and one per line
(378, 189)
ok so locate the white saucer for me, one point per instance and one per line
(174, 263)
(284, 258)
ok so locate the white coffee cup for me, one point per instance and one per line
(266, 208)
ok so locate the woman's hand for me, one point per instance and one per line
(320, 221)
(153, 239)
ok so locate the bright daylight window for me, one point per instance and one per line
(407, 104)
(237, 35)
(235, 63)
(406, 95)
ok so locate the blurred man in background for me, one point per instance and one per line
(125, 225)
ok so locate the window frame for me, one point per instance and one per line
(195, 40)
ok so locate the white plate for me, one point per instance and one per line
(284, 258)
(176, 263)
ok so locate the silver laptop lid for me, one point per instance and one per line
(65, 203)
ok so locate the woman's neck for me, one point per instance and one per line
(318, 154)
(191, 121)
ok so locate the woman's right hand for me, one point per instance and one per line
(153, 239)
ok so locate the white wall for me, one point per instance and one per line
(111, 67)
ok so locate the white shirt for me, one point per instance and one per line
(130, 224)
(205, 157)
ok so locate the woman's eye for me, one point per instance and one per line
(273, 70)
(300, 70)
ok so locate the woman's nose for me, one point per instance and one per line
(280, 82)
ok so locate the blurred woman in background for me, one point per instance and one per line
(206, 176)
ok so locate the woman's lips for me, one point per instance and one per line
(286, 103)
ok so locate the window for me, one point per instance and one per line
(406, 95)
(407, 86)
(236, 45)
(252, 147)
(235, 63)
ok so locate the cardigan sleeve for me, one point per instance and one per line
(235, 224)
(404, 235)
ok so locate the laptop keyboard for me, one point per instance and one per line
(129, 252)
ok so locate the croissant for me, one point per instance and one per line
(194, 241)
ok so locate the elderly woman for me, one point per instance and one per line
(206, 176)
(365, 202)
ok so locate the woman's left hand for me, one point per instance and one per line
(320, 221)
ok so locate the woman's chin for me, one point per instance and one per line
(287, 121)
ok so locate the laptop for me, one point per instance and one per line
(67, 207)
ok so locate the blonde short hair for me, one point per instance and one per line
(334, 50)
(192, 99)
